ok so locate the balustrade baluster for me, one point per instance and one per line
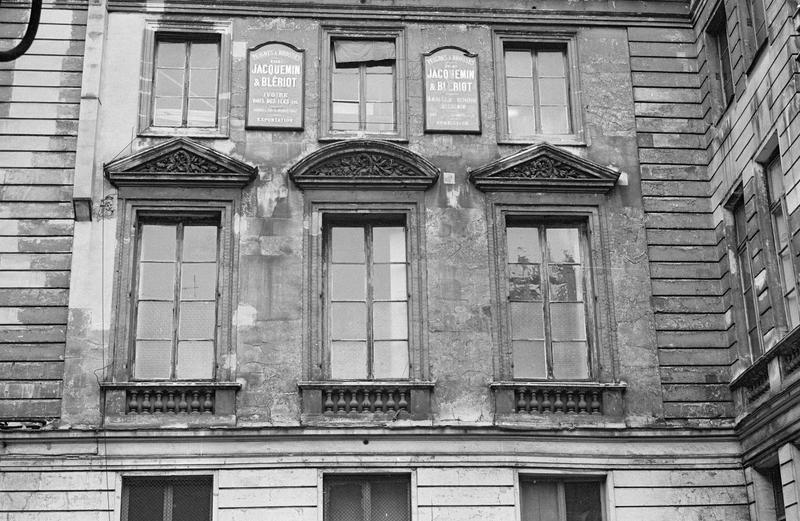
(328, 401)
(208, 404)
(365, 404)
(570, 402)
(595, 403)
(390, 403)
(558, 405)
(195, 402)
(521, 402)
(146, 403)
(582, 403)
(158, 406)
(171, 401)
(133, 403)
(353, 405)
(340, 403)
(182, 405)
(378, 400)
(546, 404)
(402, 405)
(535, 404)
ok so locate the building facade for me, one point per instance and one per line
(386, 260)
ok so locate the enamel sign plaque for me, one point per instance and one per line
(275, 87)
(452, 102)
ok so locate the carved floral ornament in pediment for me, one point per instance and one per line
(364, 163)
(543, 168)
(180, 162)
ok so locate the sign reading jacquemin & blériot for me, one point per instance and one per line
(452, 98)
(275, 86)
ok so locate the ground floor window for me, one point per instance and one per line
(560, 500)
(166, 498)
(367, 498)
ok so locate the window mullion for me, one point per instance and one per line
(537, 110)
(186, 72)
(588, 300)
(176, 299)
(366, 500)
(362, 97)
(368, 257)
(562, 502)
(545, 270)
(167, 512)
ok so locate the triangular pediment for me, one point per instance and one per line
(545, 168)
(364, 163)
(180, 162)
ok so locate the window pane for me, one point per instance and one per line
(553, 91)
(520, 121)
(389, 282)
(343, 502)
(157, 280)
(519, 64)
(203, 83)
(378, 113)
(199, 281)
(524, 282)
(347, 244)
(389, 501)
(191, 500)
(202, 112)
(379, 127)
(583, 501)
(345, 87)
(197, 320)
(519, 91)
(566, 282)
(153, 359)
(555, 120)
(380, 87)
(527, 320)
(168, 112)
(345, 116)
(348, 360)
(348, 321)
(550, 64)
(348, 282)
(200, 243)
(169, 83)
(171, 54)
(775, 179)
(570, 360)
(145, 501)
(563, 244)
(203, 55)
(567, 321)
(390, 359)
(195, 360)
(154, 320)
(390, 321)
(529, 359)
(523, 245)
(540, 501)
(158, 242)
(389, 244)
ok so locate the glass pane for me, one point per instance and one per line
(348, 360)
(390, 359)
(389, 282)
(540, 501)
(169, 83)
(793, 306)
(345, 87)
(390, 321)
(570, 360)
(567, 321)
(195, 360)
(563, 244)
(345, 116)
(197, 320)
(553, 91)
(343, 502)
(202, 112)
(389, 501)
(199, 281)
(379, 69)
(348, 321)
(389, 244)
(527, 320)
(583, 501)
(524, 282)
(521, 121)
(523, 245)
(550, 63)
(744, 268)
(191, 501)
(380, 87)
(775, 180)
(372, 126)
(519, 64)
(740, 222)
(154, 320)
(519, 91)
(380, 113)
(145, 501)
(781, 228)
(529, 359)
(158, 242)
(171, 54)
(348, 282)
(566, 282)
(555, 120)
(168, 112)
(203, 55)
(347, 244)
(153, 359)
(203, 83)
(157, 281)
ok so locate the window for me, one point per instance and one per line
(363, 84)
(549, 312)
(185, 79)
(367, 498)
(774, 476)
(538, 88)
(176, 298)
(167, 498)
(781, 234)
(719, 60)
(367, 290)
(747, 293)
(756, 28)
(556, 500)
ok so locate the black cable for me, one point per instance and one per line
(30, 34)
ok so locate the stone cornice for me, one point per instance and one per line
(179, 162)
(364, 163)
(544, 168)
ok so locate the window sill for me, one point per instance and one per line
(754, 382)
(209, 133)
(162, 404)
(337, 136)
(524, 400)
(365, 401)
(575, 140)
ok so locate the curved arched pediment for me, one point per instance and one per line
(544, 168)
(364, 163)
(179, 162)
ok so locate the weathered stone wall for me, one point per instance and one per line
(39, 109)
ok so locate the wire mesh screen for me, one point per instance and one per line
(367, 498)
(166, 499)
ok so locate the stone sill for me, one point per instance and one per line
(364, 402)
(544, 401)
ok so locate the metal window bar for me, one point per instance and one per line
(167, 498)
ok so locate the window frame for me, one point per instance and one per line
(331, 34)
(716, 34)
(367, 478)
(159, 30)
(567, 39)
(122, 477)
(603, 479)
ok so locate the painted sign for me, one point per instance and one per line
(275, 86)
(452, 99)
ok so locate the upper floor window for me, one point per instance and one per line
(363, 84)
(537, 86)
(719, 60)
(560, 500)
(747, 293)
(167, 498)
(755, 29)
(185, 79)
(782, 239)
